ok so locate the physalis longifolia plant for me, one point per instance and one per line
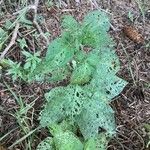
(79, 116)
(84, 53)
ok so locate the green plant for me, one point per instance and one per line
(9, 25)
(22, 118)
(147, 127)
(15, 69)
(84, 55)
(130, 16)
(3, 37)
(22, 43)
(64, 138)
(93, 83)
(31, 61)
(49, 3)
(18, 71)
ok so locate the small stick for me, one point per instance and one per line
(36, 23)
(41, 32)
(12, 42)
(34, 7)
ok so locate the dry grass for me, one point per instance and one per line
(132, 106)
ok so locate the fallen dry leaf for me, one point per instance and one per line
(133, 34)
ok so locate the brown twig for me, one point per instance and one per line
(12, 42)
(41, 32)
(36, 23)
(35, 7)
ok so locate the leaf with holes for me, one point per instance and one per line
(62, 102)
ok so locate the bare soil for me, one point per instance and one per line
(132, 106)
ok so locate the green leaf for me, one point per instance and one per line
(46, 144)
(22, 44)
(110, 86)
(62, 140)
(58, 54)
(97, 19)
(8, 24)
(93, 59)
(102, 141)
(109, 61)
(95, 37)
(72, 39)
(3, 37)
(27, 54)
(131, 16)
(98, 143)
(14, 69)
(27, 65)
(57, 57)
(58, 74)
(2, 34)
(72, 32)
(53, 111)
(90, 144)
(62, 102)
(69, 23)
(64, 126)
(31, 62)
(94, 28)
(67, 141)
(37, 54)
(104, 79)
(33, 66)
(80, 56)
(147, 127)
(96, 115)
(82, 74)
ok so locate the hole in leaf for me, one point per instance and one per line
(107, 92)
(110, 68)
(77, 94)
(63, 109)
(97, 116)
(78, 104)
(100, 129)
(115, 82)
(76, 110)
(87, 48)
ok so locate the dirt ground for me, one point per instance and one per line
(132, 106)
